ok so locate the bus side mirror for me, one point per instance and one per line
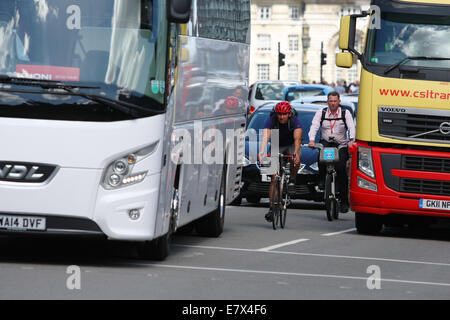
(344, 60)
(179, 11)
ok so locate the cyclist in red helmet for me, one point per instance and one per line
(283, 119)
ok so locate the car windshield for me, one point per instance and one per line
(295, 94)
(258, 120)
(271, 91)
(111, 44)
(410, 35)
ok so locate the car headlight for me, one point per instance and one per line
(119, 173)
(365, 161)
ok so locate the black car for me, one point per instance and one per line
(256, 186)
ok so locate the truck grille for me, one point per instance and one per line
(415, 163)
(441, 165)
(434, 187)
(414, 124)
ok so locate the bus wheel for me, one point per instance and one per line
(368, 223)
(211, 225)
(157, 249)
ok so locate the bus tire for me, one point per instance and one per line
(158, 249)
(368, 223)
(212, 224)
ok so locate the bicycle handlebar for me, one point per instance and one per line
(321, 147)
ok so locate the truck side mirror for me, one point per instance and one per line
(344, 33)
(179, 11)
(344, 60)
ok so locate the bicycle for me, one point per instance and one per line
(280, 194)
(330, 156)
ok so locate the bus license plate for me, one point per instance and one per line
(22, 223)
(434, 204)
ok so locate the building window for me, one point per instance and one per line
(293, 72)
(293, 43)
(263, 42)
(294, 13)
(263, 72)
(264, 13)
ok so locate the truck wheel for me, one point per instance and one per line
(368, 223)
(211, 225)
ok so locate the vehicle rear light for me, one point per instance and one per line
(251, 109)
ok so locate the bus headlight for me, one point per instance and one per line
(365, 161)
(120, 172)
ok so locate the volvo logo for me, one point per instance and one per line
(25, 172)
(393, 109)
(444, 128)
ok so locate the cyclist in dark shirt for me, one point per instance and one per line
(289, 128)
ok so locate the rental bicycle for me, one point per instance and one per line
(330, 156)
(280, 194)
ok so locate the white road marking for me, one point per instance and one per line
(339, 232)
(282, 245)
(316, 275)
(318, 255)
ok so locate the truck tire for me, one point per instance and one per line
(368, 223)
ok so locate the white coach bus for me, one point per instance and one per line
(93, 98)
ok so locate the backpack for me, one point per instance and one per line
(343, 110)
(276, 124)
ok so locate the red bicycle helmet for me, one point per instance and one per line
(283, 107)
(231, 102)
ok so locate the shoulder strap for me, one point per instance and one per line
(324, 111)
(343, 117)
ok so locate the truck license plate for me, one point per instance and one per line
(434, 204)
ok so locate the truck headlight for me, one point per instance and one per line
(120, 173)
(365, 161)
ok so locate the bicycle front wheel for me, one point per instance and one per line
(331, 207)
(283, 206)
(276, 203)
(329, 197)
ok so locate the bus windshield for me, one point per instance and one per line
(410, 35)
(110, 44)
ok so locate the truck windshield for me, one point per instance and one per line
(118, 46)
(410, 35)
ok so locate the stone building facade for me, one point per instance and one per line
(300, 28)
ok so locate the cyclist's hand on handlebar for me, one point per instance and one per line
(297, 159)
(260, 157)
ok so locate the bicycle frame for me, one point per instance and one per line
(330, 156)
(280, 196)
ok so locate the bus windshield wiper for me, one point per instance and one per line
(397, 64)
(123, 106)
(45, 84)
